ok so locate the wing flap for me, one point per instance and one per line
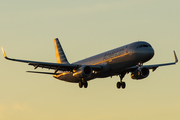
(63, 67)
(54, 66)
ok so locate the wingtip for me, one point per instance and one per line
(4, 52)
(176, 59)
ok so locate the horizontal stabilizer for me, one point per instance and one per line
(43, 72)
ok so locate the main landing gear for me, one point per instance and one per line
(83, 83)
(121, 84)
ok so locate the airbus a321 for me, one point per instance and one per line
(119, 61)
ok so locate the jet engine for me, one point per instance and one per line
(140, 73)
(83, 72)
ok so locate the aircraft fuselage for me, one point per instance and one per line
(113, 61)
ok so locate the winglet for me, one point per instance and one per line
(4, 52)
(176, 59)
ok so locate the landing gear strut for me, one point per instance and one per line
(83, 83)
(80, 84)
(121, 84)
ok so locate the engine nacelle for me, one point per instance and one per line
(140, 73)
(83, 72)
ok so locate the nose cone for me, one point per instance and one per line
(145, 54)
(149, 53)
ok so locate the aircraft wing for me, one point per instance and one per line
(153, 67)
(55, 66)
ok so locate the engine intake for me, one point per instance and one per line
(140, 73)
(83, 72)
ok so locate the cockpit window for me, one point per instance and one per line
(145, 45)
(140, 46)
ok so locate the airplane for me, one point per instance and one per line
(116, 62)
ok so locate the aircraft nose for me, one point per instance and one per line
(149, 53)
(145, 55)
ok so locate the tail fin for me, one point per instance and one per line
(60, 56)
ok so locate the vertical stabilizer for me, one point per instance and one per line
(60, 56)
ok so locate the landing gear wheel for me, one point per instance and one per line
(85, 84)
(80, 84)
(123, 85)
(118, 85)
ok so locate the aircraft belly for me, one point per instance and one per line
(68, 78)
